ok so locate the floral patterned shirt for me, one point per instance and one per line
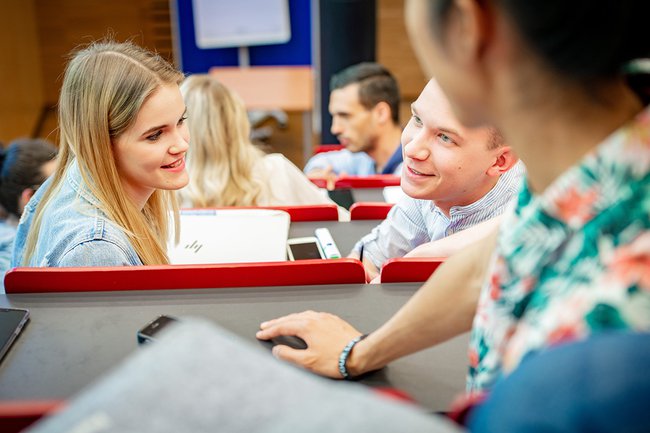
(573, 261)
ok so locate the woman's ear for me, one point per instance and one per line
(505, 159)
(468, 30)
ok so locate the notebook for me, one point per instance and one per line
(230, 236)
(202, 379)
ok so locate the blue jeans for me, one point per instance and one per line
(601, 384)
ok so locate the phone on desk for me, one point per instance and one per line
(342, 197)
(12, 321)
(148, 333)
(304, 249)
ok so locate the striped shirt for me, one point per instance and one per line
(412, 222)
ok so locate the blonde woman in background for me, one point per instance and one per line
(225, 168)
(122, 147)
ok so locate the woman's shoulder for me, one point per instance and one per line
(74, 229)
(277, 160)
(273, 167)
(87, 240)
(107, 251)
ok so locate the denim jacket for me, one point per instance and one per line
(74, 231)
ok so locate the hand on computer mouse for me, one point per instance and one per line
(325, 334)
(290, 340)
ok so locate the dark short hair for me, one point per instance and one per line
(583, 40)
(376, 84)
(21, 166)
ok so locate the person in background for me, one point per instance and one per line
(364, 104)
(454, 178)
(225, 167)
(24, 166)
(122, 149)
(571, 258)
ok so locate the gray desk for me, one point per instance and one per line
(368, 194)
(74, 338)
(345, 234)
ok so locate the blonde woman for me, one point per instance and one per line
(225, 168)
(122, 146)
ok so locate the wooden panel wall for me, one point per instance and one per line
(37, 35)
(394, 51)
(66, 24)
(20, 70)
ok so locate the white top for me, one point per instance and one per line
(288, 186)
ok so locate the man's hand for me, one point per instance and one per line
(325, 173)
(325, 334)
(371, 270)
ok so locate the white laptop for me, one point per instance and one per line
(231, 236)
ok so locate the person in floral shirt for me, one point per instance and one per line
(573, 261)
(572, 258)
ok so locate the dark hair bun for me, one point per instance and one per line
(584, 39)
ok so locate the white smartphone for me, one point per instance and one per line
(304, 248)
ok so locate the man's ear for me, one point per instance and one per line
(382, 113)
(24, 198)
(505, 159)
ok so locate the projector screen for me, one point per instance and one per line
(240, 23)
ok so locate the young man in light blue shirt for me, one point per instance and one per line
(364, 104)
(454, 178)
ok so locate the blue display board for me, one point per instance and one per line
(295, 52)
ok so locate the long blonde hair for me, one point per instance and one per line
(221, 158)
(104, 87)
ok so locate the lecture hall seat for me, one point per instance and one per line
(369, 210)
(322, 148)
(314, 212)
(374, 181)
(17, 415)
(224, 275)
(409, 269)
(360, 182)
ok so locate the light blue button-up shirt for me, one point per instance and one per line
(74, 231)
(353, 163)
(412, 222)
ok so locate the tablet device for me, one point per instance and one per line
(12, 321)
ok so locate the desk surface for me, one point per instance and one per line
(345, 234)
(368, 194)
(72, 339)
(289, 88)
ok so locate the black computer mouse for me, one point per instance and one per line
(291, 341)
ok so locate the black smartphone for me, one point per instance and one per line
(343, 197)
(149, 331)
(12, 321)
